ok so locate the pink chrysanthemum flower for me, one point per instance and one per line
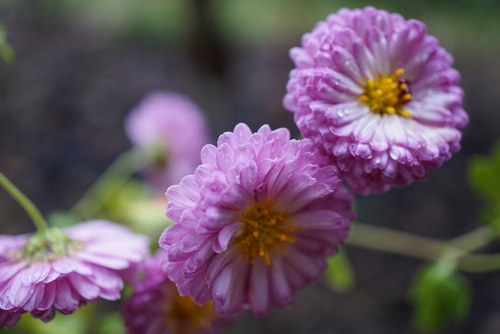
(378, 96)
(172, 129)
(61, 271)
(156, 307)
(255, 221)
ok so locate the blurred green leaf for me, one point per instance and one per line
(439, 294)
(484, 174)
(484, 178)
(139, 207)
(111, 324)
(129, 191)
(75, 323)
(6, 51)
(339, 275)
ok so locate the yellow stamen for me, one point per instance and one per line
(387, 94)
(406, 97)
(405, 113)
(399, 72)
(264, 231)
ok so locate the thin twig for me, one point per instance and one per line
(396, 242)
(25, 203)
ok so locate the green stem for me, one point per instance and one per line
(475, 239)
(25, 203)
(479, 263)
(403, 243)
(396, 242)
(117, 174)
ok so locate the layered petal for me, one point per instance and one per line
(377, 95)
(97, 256)
(269, 211)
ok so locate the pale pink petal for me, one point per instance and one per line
(68, 282)
(252, 180)
(376, 149)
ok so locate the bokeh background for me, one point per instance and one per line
(82, 64)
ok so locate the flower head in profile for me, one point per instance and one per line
(156, 307)
(378, 96)
(171, 129)
(255, 221)
(62, 271)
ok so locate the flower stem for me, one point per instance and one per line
(479, 263)
(403, 243)
(25, 203)
(396, 242)
(110, 182)
(475, 239)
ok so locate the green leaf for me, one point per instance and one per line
(484, 178)
(339, 275)
(75, 323)
(439, 295)
(6, 51)
(484, 175)
(111, 324)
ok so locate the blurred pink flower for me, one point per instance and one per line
(378, 96)
(172, 129)
(64, 270)
(155, 307)
(255, 221)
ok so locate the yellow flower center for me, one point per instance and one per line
(183, 316)
(387, 94)
(264, 231)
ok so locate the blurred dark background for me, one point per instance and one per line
(81, 65)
